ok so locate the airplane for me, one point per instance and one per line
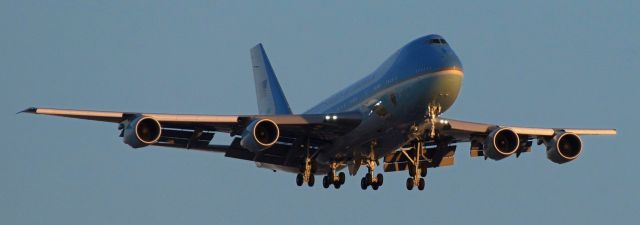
(393, 115)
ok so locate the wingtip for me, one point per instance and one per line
(28, 110)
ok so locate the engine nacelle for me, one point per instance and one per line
(501, 143)
(259, 135)
(564, 147)
(142, 131)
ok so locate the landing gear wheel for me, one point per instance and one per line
(412, 171)
(299, 179)
(380, 179)
(325, 182)
(312, 180)
(375, 186)
(423, 172)
(363, 183)
(409, 183)
(341, 178)
(369, 178)
(421, 184)
(337, 185)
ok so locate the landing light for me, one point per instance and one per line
(330, 117)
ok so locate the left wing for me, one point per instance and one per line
(464, 131)
(500, 141)
(491, 141)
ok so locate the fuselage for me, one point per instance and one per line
(394, 97)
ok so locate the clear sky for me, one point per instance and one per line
(543, 63)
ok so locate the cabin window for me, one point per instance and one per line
(443, 41)
(434, 41)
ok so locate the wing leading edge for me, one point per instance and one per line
(312, 125)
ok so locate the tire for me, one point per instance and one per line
(375, 186)
(363, 183)
(423, 172)
(325, 182)
(369, 178)
(380, 179)
(421, 184)
(409, 183)
(299, 179)
(412, 171)
(312, 180)
(336, 185)
(341, 177)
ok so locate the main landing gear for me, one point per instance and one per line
(337, 179)
(416, 171)
(370, 180)
(307, 170)
(306, 176)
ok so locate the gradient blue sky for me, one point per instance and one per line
(543, 63)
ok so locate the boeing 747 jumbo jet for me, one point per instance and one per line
(393, 115)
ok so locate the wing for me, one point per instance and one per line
(464, 131)
(563, 144)
(478, 134)
(192, 131)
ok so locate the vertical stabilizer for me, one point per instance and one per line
(271, 100)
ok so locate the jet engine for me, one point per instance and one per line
(259, 135)
(564, 147)
(501, 143)
(142, 131)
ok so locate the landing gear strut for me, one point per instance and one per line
(432, 112)
(337, 179)
(416, 171)
(370, 180)
(306, 172)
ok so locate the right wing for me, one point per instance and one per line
(191, 131)
(317, 126)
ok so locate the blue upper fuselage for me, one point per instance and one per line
(421, 56)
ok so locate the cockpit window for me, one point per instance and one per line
(437, 41)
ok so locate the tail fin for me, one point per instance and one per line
(271, 100)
